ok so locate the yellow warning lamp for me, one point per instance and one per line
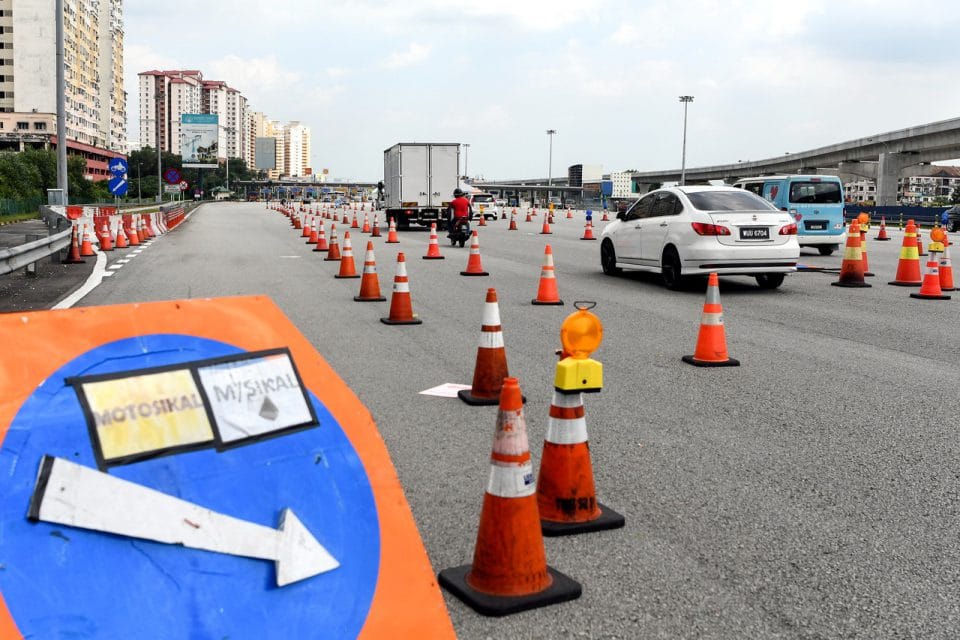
(580, 335)
(937, 237)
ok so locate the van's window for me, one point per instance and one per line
(815, 192)
(752, 187)
(729, 201)
(483, 198)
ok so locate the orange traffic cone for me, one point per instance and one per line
(433, 249)
(132, 238)
(509, 571)
(545, 229)
(908, 268)
(73, 256)
(348, 269)
(141, 236)
(513, 222)
(321, 239)
(120, 242)
(529, 219)
(392, 232)
(946, 269)
(333, 253)
(491, 365)
(588, 231)
(882, 234)
(605, 217)
(366, 223)
(711, 348)
(569, 214)
(314, 236)
(853, 265)
(930, 289)
(863, 252)
(483, 221)
(106, 242)
(401, 311)
(474, 268)
(355, 224)
(547, 291)
(369, 283)
(86, 247)
(344, 219)
(375, 232)
(920, 250)
(566, 492)
(307, 223)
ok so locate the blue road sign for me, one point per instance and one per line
(118, 185)
(172, 176)
(118, 166)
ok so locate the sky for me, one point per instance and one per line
(768, 77)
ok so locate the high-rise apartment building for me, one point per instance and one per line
(93, 73)
(296, 142)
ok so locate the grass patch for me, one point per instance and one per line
(19, 217)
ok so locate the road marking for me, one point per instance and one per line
(77, 496)
(95, 278)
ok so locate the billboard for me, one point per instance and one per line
(199, 135)
(265, 156)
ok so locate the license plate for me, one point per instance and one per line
(754, 233)
(816, 226)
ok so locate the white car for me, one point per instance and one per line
(694, 230)
(490, 209)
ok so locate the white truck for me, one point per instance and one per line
(419, 179)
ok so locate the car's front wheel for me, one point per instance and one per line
(770, 280)
(670, 269)
(608, 259)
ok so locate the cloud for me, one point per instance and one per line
(252, 76)
(414, 54)
(493, 116)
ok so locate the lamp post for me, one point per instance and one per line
(228, 130)
(686, 100)
(63, 181)
(138, 183)
(550, 133)
(466, 159)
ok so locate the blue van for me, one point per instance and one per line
(814, 201)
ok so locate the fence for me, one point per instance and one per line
(922, 215)
(13, 207)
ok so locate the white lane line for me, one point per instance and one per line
(107, 274)
(115, 266)
(123, 261)
(95, 278)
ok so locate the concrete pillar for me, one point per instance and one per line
(888, 170)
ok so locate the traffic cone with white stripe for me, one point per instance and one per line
(433, 249)
(106, 242)
(930, 289)
(547, 290)
(321, 239)
(314, 234)
(483, 221)
(882, 234)
(392, 232)
(529, 219)
(369, 282)
(588, 231)
(344, 219)
(348, 269)
(306, 227)
(946, 269)
(73, 255)
(509, 572)
(132, 237)
(863, 252)
(401, 310)
(908, 267)
(569, 214)
(491, 365)
(711, 350)
(853, 267)
(86, 246)
(120, 242)
(545, 229)
(138, 222)
(474, 267)
(566, 492)
(366, 223)
(375, 231)
(605, 217)
(513, 222)
(355, 224)
(333, 254)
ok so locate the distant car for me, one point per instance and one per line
(954, 218)
(695, 230)
(500, 202)
(490, 209)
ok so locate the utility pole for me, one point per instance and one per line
(551, 133)
(62, 181)
(686, 100)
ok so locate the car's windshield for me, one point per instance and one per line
(483, 198)
(736, 200)
(815, 192)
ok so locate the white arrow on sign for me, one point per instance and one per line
(70, 494)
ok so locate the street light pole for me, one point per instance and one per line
(466, 160)
(686, 100)
(62, 181)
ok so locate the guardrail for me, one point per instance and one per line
(19, 257)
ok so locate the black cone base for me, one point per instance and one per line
(391, 242)
(376, 299)
(537, 302)
(347, 277)
(474, 273)
(475, 401)
(322, 250)
(563, 589)
(412, 321)
(897, 283)
(433, 257)
(850, 284)
(609, 519)
(729, 362)
(331, 259)
(882, 239)
(588, 238)
(921, 296)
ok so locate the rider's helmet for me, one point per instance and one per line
(457, 193)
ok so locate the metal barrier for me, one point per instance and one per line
(19, 257)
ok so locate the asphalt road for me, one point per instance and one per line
(810, 493)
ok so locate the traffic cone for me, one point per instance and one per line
(882, 234)
(392, 232)
(86, 247)
(547, 291)
(474, 268)
(588, 231)
(106, 242)
(307, 223)
(141, 236)
(369, 282)
(853, 265)
(333, 253)
(711, 348)
(344, 219)
(569, 214)
(509, 571)
(366, 223)
(348, 269)
(513, 222)
(483, 221)
(529, 218)
(491, 365)
(120, 242)
(566, 492)
(930, 289)
(321, 239)
(908, 268)
(375, 232)
(401, 311)
(920, 250)
(545, 229)
(355, 224)
(946, 269)
(605, 217)
(433, 249)
(132, 236)
(314, 233)
(863, 252)
(73, 256)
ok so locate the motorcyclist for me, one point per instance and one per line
(460, 210)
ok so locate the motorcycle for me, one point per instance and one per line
(460, 232)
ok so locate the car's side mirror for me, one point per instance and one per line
(621, 215)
